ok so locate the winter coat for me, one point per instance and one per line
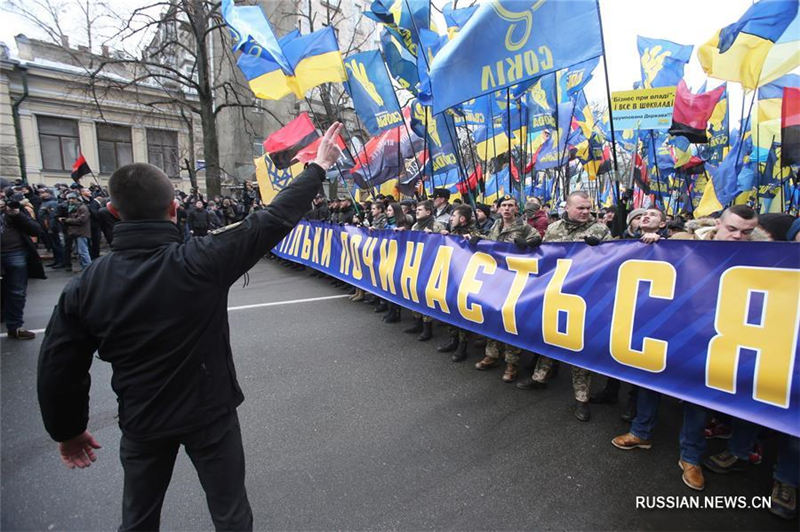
(430, 223)
(155, 308)
(78, 222)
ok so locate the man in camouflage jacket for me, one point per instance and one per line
(509, 228)
(576, 225)
(462, 223)
(425, 222)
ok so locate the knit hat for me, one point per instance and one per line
(633, 214)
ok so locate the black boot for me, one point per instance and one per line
(393, 316)
(427, 331)
(461, 352)
(608, 395)
(450, 346)
(381, 306)
(416, 328)
(582, 411)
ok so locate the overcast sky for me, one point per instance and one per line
(682, 21)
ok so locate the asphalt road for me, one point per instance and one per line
(350, 424)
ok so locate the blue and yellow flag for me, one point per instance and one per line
(441, 133)
(662, 61)
(401, 64)
(456, 18)
(527, 42)
(723, 186)
(274, 68)
(718, 130)
(402, 18)
(541, 101)
(371, 91)
(738, 52)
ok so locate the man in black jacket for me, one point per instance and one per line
(17, 253)
(173, 371)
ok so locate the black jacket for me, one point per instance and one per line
(156, 309)
(16, 235)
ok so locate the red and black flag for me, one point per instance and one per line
(471, 182)
(692, 111)
(283, 145)
(80, 168)
(790, 126)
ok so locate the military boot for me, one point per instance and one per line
(393, 316)
(381, 306)
(450, 346)
(427, 331)
(510, 374)
(416, 328)
(461, 352)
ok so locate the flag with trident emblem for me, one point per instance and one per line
(369, 86)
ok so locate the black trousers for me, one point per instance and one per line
(217, 454)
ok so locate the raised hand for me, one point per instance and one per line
(329, 151)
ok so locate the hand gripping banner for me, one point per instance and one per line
(713, 323)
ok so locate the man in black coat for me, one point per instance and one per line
(19, 262)
(173, 371)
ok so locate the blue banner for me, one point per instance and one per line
(530, 42)
(713, 323)
(369, 86)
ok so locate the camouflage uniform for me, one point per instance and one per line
(501, 233)
(432, 225)
(566, 230)
(467, 231)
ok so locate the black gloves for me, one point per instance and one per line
(473, 240)
(591, 240)
(521, 242)
(535, 244)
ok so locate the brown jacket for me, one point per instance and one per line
(78, 222)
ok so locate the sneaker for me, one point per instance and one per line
(692, 475)
(628, 441)
(725, 462)
(783, 500)
(717, 430)
(21, 334)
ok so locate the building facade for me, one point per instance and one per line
(51, 113)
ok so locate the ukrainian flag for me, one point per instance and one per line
(315, 59)
(738, 52)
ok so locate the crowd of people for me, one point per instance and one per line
(575, 220)
(64, 219)
(72, 223)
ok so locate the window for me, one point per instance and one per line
(162, 150)
(60, 143)
(115, 147)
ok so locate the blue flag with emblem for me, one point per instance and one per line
(370, 88)
(440, 132)
(530, 42)
(401, 64)
(456, 18)
(402, 18)
(662, 61)
(541, 100)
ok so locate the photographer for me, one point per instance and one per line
(19, 262)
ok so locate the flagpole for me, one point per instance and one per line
(608, 96)
(510, 158)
